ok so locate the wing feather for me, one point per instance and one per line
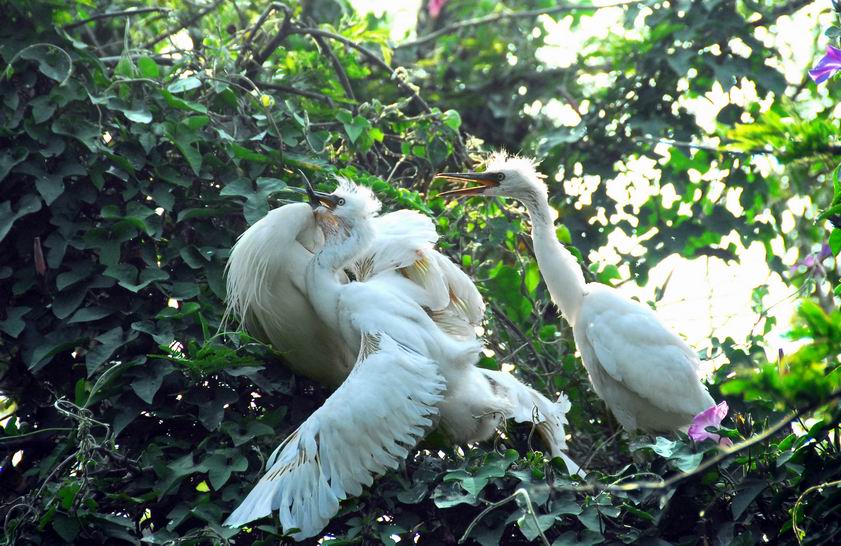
(634, 348)
(364, 429)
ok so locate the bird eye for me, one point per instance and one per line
(500, 176)
(341, 201)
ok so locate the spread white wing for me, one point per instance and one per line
(635, 349)
(364, 429)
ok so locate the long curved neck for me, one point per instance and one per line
(339, 249)
(558, 266)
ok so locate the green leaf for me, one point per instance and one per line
(148, 68)
(530, 529)
(242, 152)
(182, 104)
(451, 119)
(14, 324)
(745, 497)
(53, 61)
(9, 157)
(66, 527)
(185, 84)
(107, 345)
(835, 241)
(150, 382)
(89, 314)
(28, 204)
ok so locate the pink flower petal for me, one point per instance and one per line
(827, 66)
(434, 7)
(710, 417)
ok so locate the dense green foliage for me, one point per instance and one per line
(135, 148)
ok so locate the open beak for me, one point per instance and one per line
(486, 180)
(318, 198)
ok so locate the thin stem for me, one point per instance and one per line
(658, 485)
(124, 13)
(371, 56)
(338, 68)
(799, 534)
(493, 506)
(189, 22)
(296, 91)
(495, 17)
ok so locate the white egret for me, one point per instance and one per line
(645, 373)
(413, 364)
(265, 284)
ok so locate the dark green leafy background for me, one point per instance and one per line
(131, 160)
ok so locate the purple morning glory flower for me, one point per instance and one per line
(812, 262)
(829, 64)
(710, 417)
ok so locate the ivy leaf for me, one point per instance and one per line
(14, 324)
(28, 204)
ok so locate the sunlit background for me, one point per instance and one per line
(704, 296)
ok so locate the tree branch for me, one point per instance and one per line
(786, 9)
(189, 22)
(296, 91)
(338, 68)
(495, 17)
(658, 485)
(371, 56)
(254, 28)
(281, 35)
(124, 13)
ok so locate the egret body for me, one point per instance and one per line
(646, 374)
(414, 368)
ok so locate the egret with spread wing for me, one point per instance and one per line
(647, 375)
(413, 366)
(266, 289)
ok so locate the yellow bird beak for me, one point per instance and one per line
(485, 180)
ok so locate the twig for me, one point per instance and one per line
(18, 439)
(657, 485)
(494, 17)
(124, 13)
(794, 527)
(371, 56)
(338, 68)
(296, 91)
(262, 19)
(785, 9)
(7, 72)
(519, 492)
(281, 35)
(189, 22)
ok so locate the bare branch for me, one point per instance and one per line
(124, 13)
(337, 67)
(371, 56)
(296, 91)
(495, 17)
(256, 26)
(281, 35)
(189, 22)
(659, 485)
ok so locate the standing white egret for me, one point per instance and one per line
(408, 370)
(647, 375)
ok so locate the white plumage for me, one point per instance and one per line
(364, 429)
(408, 317)
(646, 374)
